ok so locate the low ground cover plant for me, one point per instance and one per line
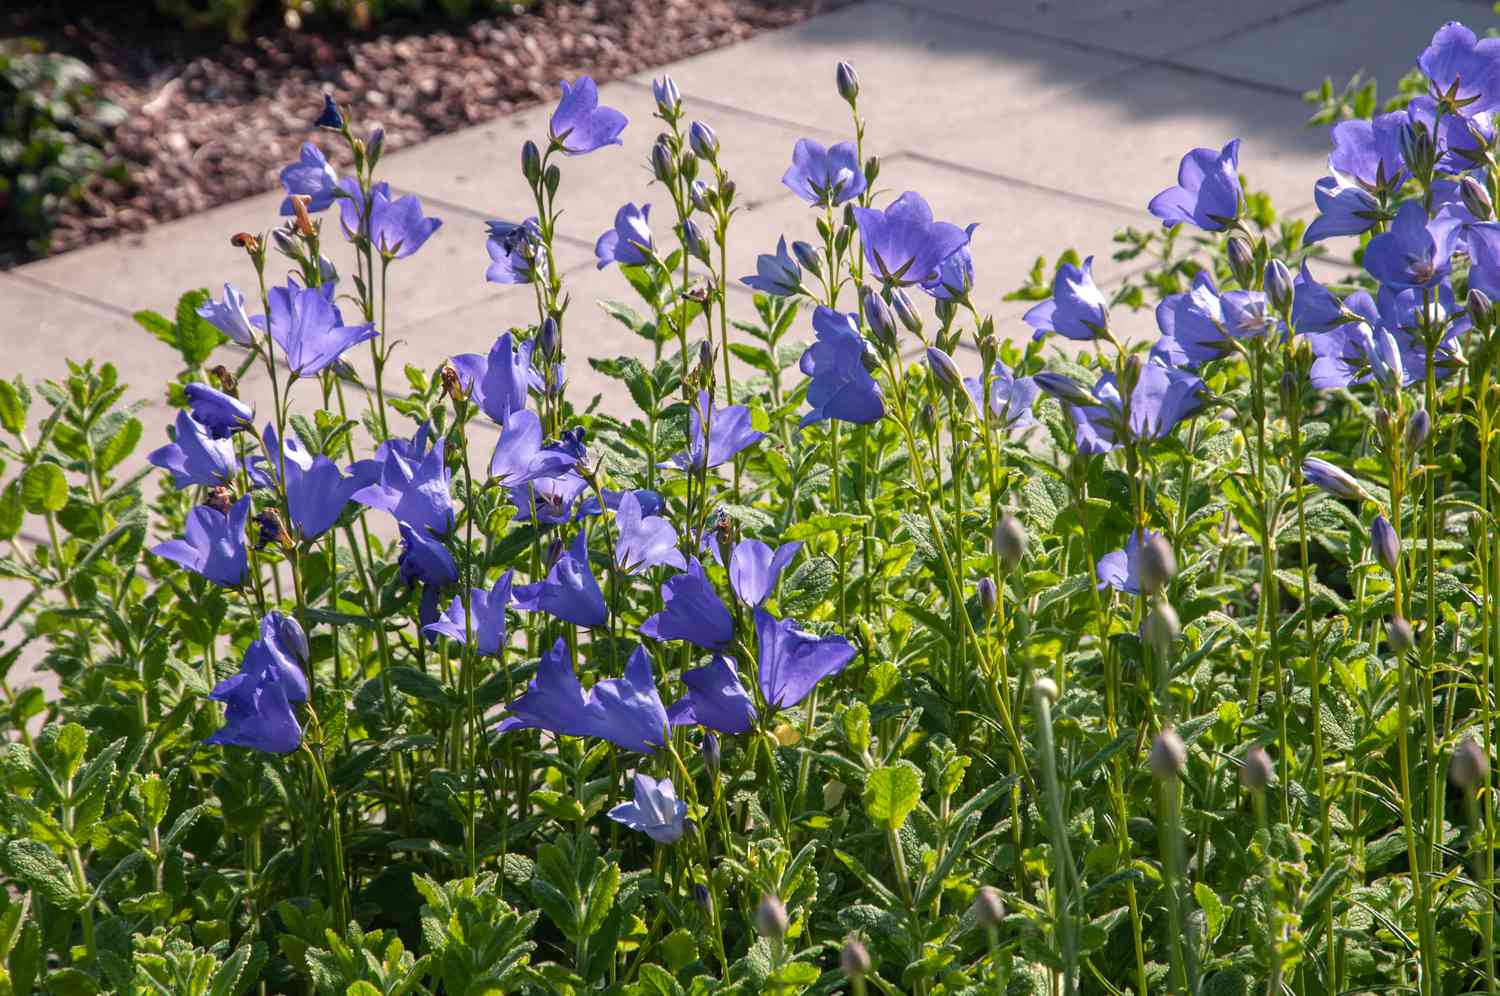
(872, 651)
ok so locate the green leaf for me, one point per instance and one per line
(119, 446)
(808, 585)
(35, 864)
(1212, 906)
(12, 510)
(420, 685)
(44, 488)
(157, 325)
(12, 408)
(891, 793)
(196, 338)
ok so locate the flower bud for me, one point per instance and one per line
(703, 198)
(1384, 544)
(989, 909)
(693, 240)
(1469, 768)
(290, 636)
(711, 754)
(703, 140)
(1418, 428)
(807, 257)
(1481, 308)
(705, 370)
(1242, 261)
(1278, 286)
(770, 918)
(1168, 755)
(1064, 388)
(1331, 479)
(1476, 198)
(668, 97)
(531, 162)
(928, 418)
(1417, 147)
(872, 170)
(726, 192)
(878, 318)
(944, 370)
(849, 220)
(1158, 564)
(662, 166)
(1010, 541)
(330, 117)
(552, 178)
(906, 311)
(1162, 629)
(989, 349)
(854, 959)
(1257, 770)
(847, 82)
(988, 596)
(703, 898)
(1045, 688)
(548, 338)
(1399, 633)
(375, 145)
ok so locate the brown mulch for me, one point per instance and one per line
(210, 121)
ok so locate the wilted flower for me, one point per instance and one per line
(1207, 193)
(579, 125)
(214, 545)
(656, 811)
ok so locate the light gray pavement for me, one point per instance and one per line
(1051, 123)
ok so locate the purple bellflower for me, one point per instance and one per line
(691, 611)
(1343, 209)
(425, 559)
(316, 495)
(1368, 151)
(397, 227)
(729, 432)
(521, 457)
(715, 699)
(195, 457)
(792, 661)
(500, 381)
(754, 569)
(1334, 480)
(1456, 62)
(903, 244)
(645, 541)
(214, 545)
(579, 125)
(1208, 325)
(517, 254)
(841, 387)
(221, 414)
(777, 275)
(1163, 397)
(1012, 398)
(486, 618)
(1121, 569)
(408, 482)
(824, 176)
(626, 711)
(284, 639)
(954, 278)
(629, 243)
(1413, 253)
(229, 316)
(656, 811)
(1207, 193)
(258, 712)
(1076, 310)
(310, 176)
(549, 500)
(569, 591)
(309, 329)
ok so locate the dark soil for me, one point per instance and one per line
(212, 121)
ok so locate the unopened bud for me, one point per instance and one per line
(375, 145)
(1418, 428)
(693, 240)
(548, 338)
(1399, 633)
(906, 311)
(1168, 755)
(703, 140)
(703, 198)
(1158, 564)
(1162, 629)
(878, 318)
(668, 97)
(1010, 541)
(854, 959)
(1278, 286)
(988, 596)
(1476, 198)
(1045, 688)
(807, 257)
(711, 754)
(989, 909)
(1469, 768)
(944, 370)
(1242, 262)
(1257, 770)
(770, 918)
(1384, 544)
(847, 82)
(872, 170)
(928, 418)
(531, 162)
(703, 898)
(662, 166)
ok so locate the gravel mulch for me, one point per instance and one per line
(210, 122)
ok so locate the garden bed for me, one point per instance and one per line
(209, 121)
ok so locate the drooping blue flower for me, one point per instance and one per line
(316, 495)
(499, 382)
(569, 591)
(1207, 325)
(777, 275)
(841, 387)
(1207, 193)
(629, 243)
(729, 432)
(397, 227)
(309, 329)
(221, 414)
(792, 660)
(656, 811)
(410, 482)
(258, 712)
(517, 254)
(195, 457)
(214, 545)
(520, 455)
(1077, 308)
(1369, 151)
(1121, 569)
(229, 316)
(284, 637)
(825, 176)
(1413, 253)
(310, 176)
(424, 558)
(486, 618)
(954, 278)
(330, 117)
(1163, 398)
(579, 125)
(627, 711)
(754, 569)
(1332, 479)
(645, 541)
(903, 244)
(1343, 209)
(691, 611)
(1459, 64)
(715, 699)
(1012, 398)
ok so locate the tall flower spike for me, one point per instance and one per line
(656, 811)
(792, 661)
(579, 125)
(691, 611)
(214, 545)
(569, 591)
(1207, 193)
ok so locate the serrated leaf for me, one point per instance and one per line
(44, 488)
(891, 793)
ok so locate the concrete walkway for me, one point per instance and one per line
(1051, 123)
